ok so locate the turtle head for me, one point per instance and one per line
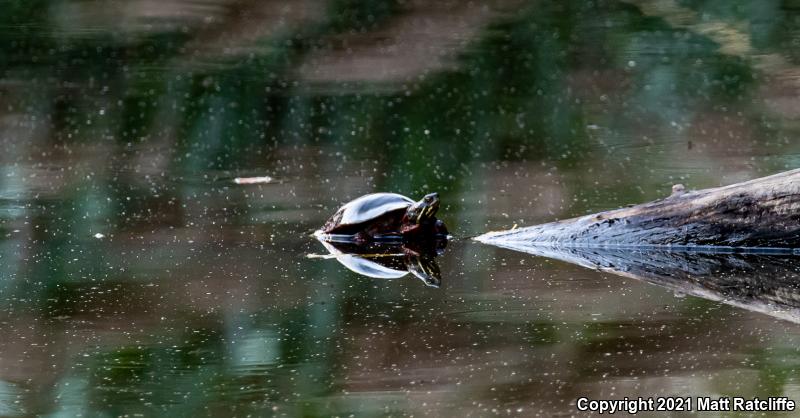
(424, 210)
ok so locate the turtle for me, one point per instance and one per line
(385, 217)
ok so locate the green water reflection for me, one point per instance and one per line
(137, 278)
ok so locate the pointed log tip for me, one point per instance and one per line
(490, 236)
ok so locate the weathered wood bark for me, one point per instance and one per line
(761, 213)
(764, 283)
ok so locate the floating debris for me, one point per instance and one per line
(253, 180)
(99, 235)
(322, 256)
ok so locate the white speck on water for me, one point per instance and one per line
(631, 63)
(253, 180)
(99, 235)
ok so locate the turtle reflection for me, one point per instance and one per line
(390, 260)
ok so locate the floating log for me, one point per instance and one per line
(762, 213)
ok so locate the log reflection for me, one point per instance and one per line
(765, 282)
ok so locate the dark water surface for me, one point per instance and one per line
(138, 279)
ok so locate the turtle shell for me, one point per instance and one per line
(364, 210)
